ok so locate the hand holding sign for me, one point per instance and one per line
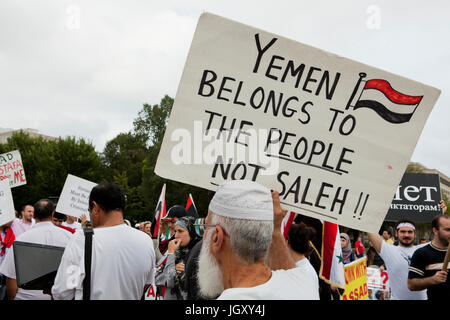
(278, 211)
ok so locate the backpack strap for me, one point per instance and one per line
(88, 233)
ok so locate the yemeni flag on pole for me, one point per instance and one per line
(286, 223)
(332, 268)
(390, 104)
(160, 213)
(191, 208)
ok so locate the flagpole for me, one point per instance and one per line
(355, 90)
(162, 208)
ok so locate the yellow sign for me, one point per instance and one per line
(355, 280)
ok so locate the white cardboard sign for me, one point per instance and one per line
(332, 135)
(376, 279)
(6, 203)
(74, 198)
(11, 168)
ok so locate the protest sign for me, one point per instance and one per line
(11, 168)
(6, 203)
(75, 197)
(355, 280)
(417, 198)
(155, 292)
(332, 135)
(377, 279)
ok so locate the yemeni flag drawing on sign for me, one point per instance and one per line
(390, 104)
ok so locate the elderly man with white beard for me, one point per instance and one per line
(244, 255)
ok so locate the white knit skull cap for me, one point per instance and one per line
(242, 199)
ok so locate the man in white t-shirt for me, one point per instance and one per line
(397, 259)
(42, 232)
(123, 258)
(242, 230)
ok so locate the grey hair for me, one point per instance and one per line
(250, 239)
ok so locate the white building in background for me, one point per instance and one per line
(5, 133)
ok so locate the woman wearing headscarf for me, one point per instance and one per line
(172, 273)
(347, 253)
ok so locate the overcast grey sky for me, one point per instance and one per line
(85, 68)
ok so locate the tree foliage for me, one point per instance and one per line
(151, 124)
(47, 163)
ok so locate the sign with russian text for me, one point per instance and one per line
(11, 168)
(7, 213)
(332, 135)
(416, 199)
(356, 280)
(74, 198)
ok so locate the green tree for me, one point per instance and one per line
(151, 124)
(152, 120)
(414, 168)
(47, 163)
(125, 153)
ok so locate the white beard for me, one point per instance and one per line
(209, 275)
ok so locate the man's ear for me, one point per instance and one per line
(217, 240)
(94, 207)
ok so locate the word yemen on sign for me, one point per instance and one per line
(332, 135)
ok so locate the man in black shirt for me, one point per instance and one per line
(425, 270)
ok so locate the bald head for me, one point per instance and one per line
(43, 209)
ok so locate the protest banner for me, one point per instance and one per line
(332, 135)
(377, 280)
(6, 203)
(11, 168)
(355, 280)
(74, 197)
(417, 198)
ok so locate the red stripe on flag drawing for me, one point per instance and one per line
(390, 93)
(329, 239)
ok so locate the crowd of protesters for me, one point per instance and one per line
(236, 252)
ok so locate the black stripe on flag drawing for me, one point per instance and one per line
(390, 104)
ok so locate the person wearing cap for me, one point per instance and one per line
(244, 255)
(397, 258)
(173, 214)
(176, 212)
(172, 273)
